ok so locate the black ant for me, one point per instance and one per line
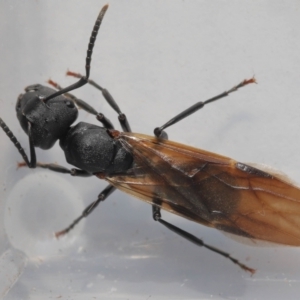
(158, 171)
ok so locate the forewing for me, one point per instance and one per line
(211, 189)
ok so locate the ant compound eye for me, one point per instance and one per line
(18, 104)
(32, 88)
(70, 104)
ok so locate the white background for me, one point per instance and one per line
(156, 58)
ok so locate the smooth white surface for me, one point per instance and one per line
(156, 58)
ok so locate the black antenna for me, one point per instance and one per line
(83, 80)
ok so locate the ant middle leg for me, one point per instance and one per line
(159, 131)
(76, 173)
(101, 197)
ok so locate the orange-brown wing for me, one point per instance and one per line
(211, 189)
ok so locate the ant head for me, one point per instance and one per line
(49, 120)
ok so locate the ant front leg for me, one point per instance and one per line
(60, 169)
(32, 162)
(85, 106)
(110, 100)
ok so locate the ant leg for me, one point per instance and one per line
(101, 197)
(193, 239)
(158, 131)
(80, 173)
(84, 79)
(32, 162)
(110, 100)
(85, 106)
(60, 169)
